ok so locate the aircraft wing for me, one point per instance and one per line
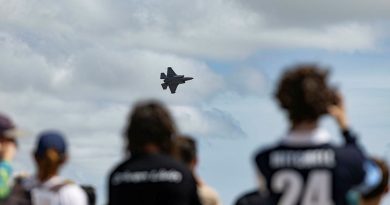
(173, 87)
(170, 72)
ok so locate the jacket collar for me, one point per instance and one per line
(317, 136)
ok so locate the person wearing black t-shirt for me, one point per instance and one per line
(304, 168)
(150, 176)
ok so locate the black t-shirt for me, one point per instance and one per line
(153, 179)
(311, 174)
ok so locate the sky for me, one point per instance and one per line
(78, 66)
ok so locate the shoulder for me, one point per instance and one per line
(169, 161)
(208, 195)
(252, 197)
(28, 182)
(73, 194)
(5, 167)
(174, 165)
(350, 152)
(171, 165)
(120, 166)
(262, 155)
(71, 189)
(261, 160)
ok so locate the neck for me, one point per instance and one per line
(151, 149)
(44, 175)
(304, 126)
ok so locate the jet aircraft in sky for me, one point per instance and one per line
(172, 80)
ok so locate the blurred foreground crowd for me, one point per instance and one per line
(159, 167)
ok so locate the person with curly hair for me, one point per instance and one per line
(305, 167)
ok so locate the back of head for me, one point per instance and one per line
(382, 186)
(149, 123)
(185, 149)
(303, 91)
(50, 153)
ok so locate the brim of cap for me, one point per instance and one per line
(13, 133)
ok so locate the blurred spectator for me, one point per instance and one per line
(47, 187)
(375, 195)
(8, 144)
(251, 198)
(150, 176)
(304, 167)
(186, 151)
(91, 194)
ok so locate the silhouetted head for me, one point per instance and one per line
(8, 130)
(50, 153)
(149, 124)
(303, 91)
(186, 150)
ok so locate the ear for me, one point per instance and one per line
(34, 156)
(195, 161)
(193, 164)
(64, 159)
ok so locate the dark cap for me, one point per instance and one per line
(7, 127)
(51, 140)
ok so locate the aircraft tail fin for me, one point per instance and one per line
(164, 86)
(163, 76)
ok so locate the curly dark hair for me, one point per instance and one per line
(149, 123)
(303, 91)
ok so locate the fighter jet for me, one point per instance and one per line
(172, 80)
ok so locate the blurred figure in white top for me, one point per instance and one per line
(47, 187)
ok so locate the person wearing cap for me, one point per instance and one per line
(150, 175)
(47, 187)
(8, 146)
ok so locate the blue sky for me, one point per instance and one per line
(78, 66)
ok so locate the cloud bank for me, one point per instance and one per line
(79, 65)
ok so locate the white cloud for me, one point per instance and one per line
(134, 74)
(302, 13)
(227, 30)
(209, 123)
(347, 37)
(247, 81)
(78, 65)
(102, 74)
(18, 65)
(207, 29)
